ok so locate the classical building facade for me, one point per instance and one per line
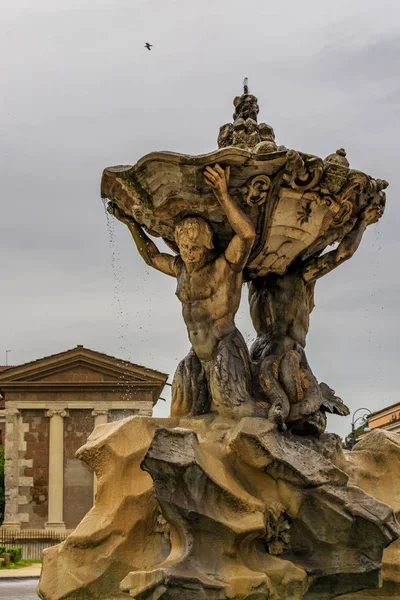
(49, 407)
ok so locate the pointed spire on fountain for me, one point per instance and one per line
(246, 105)
(245, 132)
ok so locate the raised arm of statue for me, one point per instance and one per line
(166, 263)
(239, 248)
(316, 267)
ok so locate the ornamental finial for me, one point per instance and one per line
(245, 132)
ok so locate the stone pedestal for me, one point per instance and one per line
(195, 508)
(56, 469)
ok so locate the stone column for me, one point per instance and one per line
(11, 469)
(56, 469)
(100, 417)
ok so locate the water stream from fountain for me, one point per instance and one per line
(120, 304)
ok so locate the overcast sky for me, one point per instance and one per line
(79, 92)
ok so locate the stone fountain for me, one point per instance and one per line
(240, 494)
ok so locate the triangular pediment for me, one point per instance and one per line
(81, 365)
(82, 371)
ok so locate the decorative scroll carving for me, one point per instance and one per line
(99, 411)
(61, 412)
(256, 190)
(11, 413)
(356, 184)
(344, 214)
(302, 173)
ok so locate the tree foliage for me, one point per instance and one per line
(351, 439)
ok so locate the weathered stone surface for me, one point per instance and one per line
(250, 211)
(120, 531)
(373, 465)
(297, 202)
(292, 216)
(207, 507)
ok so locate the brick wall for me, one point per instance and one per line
(36, 437)
(78, 477)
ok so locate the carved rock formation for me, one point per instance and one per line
(211, 508)
(373, 465)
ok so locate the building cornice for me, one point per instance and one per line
(78, 405)
(66, 386)
(384, 411)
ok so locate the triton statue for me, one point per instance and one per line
(216, 374)
(280, 306)
(271, 214)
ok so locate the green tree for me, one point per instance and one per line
(351, 439)
(2, 497)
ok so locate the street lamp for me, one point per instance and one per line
(351, 439)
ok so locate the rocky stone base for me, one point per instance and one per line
(209, 509)
(374, 465)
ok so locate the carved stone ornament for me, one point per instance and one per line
(59, 412)
(335, 172)
(256, 190)
(163, 187)
(99, 411)
(302, 172)
(11, 414)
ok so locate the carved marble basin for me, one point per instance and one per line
(297, 202)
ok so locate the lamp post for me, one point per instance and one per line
(351, 439)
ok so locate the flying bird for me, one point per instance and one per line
(148, 46)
